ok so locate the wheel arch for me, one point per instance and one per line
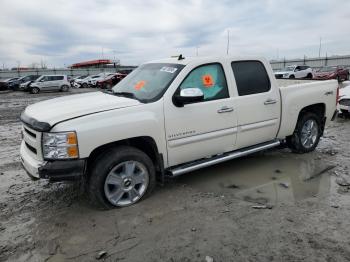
(318, 109)
(144, 143)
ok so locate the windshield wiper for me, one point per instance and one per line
(126, 94)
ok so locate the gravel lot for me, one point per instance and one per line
(204, 215)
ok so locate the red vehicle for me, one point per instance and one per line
(110, 81)
(332, 72)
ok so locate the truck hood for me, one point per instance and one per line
(43, 115)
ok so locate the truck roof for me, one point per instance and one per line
(204, 59)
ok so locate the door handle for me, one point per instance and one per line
(328, 93)
(270, 102)
(225, 109)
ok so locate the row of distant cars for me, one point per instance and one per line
(36, 83)
(102, 80)
(324, 73)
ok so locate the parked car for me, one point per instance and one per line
(84, 83)
(102, 76)
(332, 72)
(15, 85)
(344, 100)
(50, 83)
(110, 81)
(76, 80)
(170, 117)
(295, 71)
(7, 83)
(25, 82)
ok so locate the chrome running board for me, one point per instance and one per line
(198, 164)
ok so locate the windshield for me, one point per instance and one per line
(328, 69)
(148, 82)
(288, 68)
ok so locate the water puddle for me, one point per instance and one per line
(269, 178)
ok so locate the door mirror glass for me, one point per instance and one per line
(189, 95)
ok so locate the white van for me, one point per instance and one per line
(50, 83)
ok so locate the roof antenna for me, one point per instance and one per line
(181, 57)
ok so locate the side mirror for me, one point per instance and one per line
(188, 96)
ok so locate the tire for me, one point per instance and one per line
(347, 77)
(339, 79)
(65, 88)
(291, 76)
(34, 90)
(111, 185)
(84, 85)
(306, 135)
(108, 86)
(309, 76)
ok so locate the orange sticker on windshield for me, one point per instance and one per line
(140, 84)
(207, 80)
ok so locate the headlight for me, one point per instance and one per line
(60, 145)
(285, 75)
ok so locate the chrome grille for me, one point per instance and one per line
(32, 140)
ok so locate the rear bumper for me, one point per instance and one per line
(344, 108)
(52, 170)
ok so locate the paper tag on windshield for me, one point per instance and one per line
(167, 69)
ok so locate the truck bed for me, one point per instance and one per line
(288, 82)
(298, 94)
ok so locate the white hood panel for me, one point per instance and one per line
(67, 107)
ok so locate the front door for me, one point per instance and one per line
(201, 129)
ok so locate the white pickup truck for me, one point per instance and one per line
(169, 117)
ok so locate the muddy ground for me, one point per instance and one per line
(200, 216)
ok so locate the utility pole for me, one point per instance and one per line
(319, 49)
(228, 41)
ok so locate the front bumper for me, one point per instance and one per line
(63, 170)
(344, 107)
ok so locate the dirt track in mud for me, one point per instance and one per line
(202, 215)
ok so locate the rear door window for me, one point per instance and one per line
(251, 77)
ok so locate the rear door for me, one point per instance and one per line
(258, 103)
(58, 81)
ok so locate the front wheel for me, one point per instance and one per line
(306, 134)
(34, 90)
(121, 177)
(291, 76)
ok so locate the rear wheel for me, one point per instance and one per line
(121, 177)
(306, 134)
(65, 88)
(34, 90)
(85, 85)
(309, 76)
(292, 76)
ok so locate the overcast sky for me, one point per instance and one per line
(62, 32)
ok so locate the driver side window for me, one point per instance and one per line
(210, 79)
